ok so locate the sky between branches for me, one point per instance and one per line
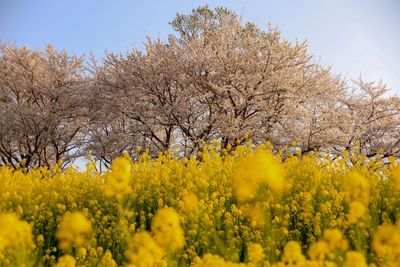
(354, 37)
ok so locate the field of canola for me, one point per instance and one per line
(227, 207)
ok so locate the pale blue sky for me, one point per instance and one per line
(352, 36)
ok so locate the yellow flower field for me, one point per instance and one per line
(226, 207)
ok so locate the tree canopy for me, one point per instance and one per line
(217, 77)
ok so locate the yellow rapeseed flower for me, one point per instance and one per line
(255, 252)
(255, 214)
(121, 167)
(244, 189)
(318, 250)
(355, 259)
(73, 230)
(14, 233)
(143, 251)
(107, 260)
(396, 177)
(210, 260)
(190, 202)
(386, 242)
(118, 180)
(356, 187)
(66, 261)
(225, 200)
(263, 167)
(334, 239)
(292, 254)
(259, 167)
(167, 229)
(357, 211)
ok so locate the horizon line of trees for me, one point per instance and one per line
(215, 78)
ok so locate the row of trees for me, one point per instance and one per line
(215, 78)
